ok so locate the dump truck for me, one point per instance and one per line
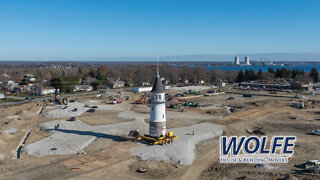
(162, 140)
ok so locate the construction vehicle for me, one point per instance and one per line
(133, 135)
(142, 100)
(312, 166)
(191, 104)
(173, 106)
(59, 100)
(247, 95)
(162, 140)
(212, 91)
(188, 92)
(116, 101)
(197, 93)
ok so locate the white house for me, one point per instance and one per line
(46, 91)
(145, 83)
(82, 88)
(219, 84)
(141, 89)
(117, 84)
(1, 95)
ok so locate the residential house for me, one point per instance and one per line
(77, 88)
(46, 91)
(219, 84)
(1, 95)
(117, 84)
(145, 83)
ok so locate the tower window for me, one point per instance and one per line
(159, 96)
(162, 116)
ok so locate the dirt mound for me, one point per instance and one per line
(154, 169)
(25, 113)
(173, 101)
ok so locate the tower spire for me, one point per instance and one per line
(158, 67)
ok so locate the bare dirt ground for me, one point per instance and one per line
(109, 159)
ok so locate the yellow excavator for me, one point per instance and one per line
(60, 100)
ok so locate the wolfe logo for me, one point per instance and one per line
(253, 149)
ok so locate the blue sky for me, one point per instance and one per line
(80, 29)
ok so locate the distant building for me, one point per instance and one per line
(236, 60)
(141, 89)
(145, 84)
(201, 81)
(219, 84)
(46, 91)
(247, 60)
(1, 95)
(265, 86)
(77, 88)
(118, 84)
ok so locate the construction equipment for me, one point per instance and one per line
(212, 91)
(133, 135)
(162, 140)
(247, 95)
(116, 101)
(59, 100)
(173, 106)
(142, 100)
(188, 92)
(312, 165)
(191, 104)
(197, 93)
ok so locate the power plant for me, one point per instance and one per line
(236, 60)
(247, 60)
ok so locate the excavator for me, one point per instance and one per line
(142, 100)
(59, 100)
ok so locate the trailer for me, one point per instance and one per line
(162, 140)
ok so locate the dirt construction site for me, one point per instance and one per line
(46, 140)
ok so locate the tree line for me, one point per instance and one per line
(295, 74)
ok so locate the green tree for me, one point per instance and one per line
(58, 83)
(270, 70)
(314, 75)
(240, 77)
(260, 74)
